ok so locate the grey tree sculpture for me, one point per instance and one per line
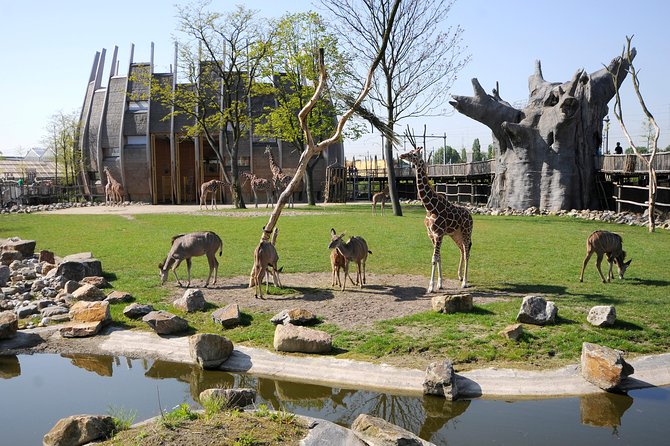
(545, 151)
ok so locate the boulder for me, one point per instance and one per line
(603, 366)
(192, 300)
(5, 273)
(512, 332)
(26, 248)
(7, 257)
(116, 297)
(375, 431)
(26, 310)
(9, 324)
(136, 311)
(89, 293)
(71, 286)
(78, 266)
(79, 429)
(295, 316)
(229, 316)
(602, 316)
(452, 303)
(47, 257)
(165, 323)
(241, 397)
(97, 281)
(80, 329)
(209, 350)
(536, 310)
(440, 380)
(291, 338)
(54, 310)
(84, 311)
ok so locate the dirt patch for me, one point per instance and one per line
(385, 296)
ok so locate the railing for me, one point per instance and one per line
(630, 163)
(42, 193)
(638, 196)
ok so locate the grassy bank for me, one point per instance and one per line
(527, 255)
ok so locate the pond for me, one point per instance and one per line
(38, 390)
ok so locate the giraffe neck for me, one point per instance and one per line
(425, 190)
(276, 170)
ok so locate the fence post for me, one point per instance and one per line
(618, 198)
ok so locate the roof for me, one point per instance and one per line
(16, 167)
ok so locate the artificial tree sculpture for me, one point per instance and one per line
(545, 151)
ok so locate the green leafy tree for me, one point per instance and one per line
(464, 156)
(220, 56)
(477, 154)
(61, 137)
(446, 155)
(491, 152)
(291, 64)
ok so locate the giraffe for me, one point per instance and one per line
(442, 217)
(380, 196)
(113, 189)
(210, 187)
(280, 180)
(259, 185)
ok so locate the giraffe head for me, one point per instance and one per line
(268, 150)
(413, 156)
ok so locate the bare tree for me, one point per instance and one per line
(313, 148)
(418, 66)
(61, 137)
(628, 54)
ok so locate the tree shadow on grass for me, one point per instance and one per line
(525, 288)
(648, 282)
(306, 294)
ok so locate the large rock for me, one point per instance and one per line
(26, 310)
(209, 350)
(536, 310)
(97, 281)
(379, 432)
(80, 329)
(440, 380)
(84, 311)
(47, 256)
(79, 430)
(9, 324)
(136, 311)
(116, 297)
(228, 317)
(295, 316)
(603, 366)
(241, 397)
(5, 273)
(8, 257)
(512, 332)
(89, 293)
(192, 300)
(54, 310)
(452, 303)
(291, 338)
(165, 323)
(24, 247)
(78, 266)
(602, 316)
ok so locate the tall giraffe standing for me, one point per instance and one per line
(259, 185)
(210, 187)
(442, 217)
(279, 178)
(113, 189)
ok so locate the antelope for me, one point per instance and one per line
(337, 262)
(355, 249)
(603, 242)
(380, 196)
(265, 256)
(186, 246)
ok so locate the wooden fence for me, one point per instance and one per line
(638, 196)
(630, 163)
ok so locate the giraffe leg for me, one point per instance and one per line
(437, 262)
(465, 257)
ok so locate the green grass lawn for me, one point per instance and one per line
(528, 255)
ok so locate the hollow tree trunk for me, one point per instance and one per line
(545, 151)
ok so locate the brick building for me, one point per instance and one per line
(149, 154)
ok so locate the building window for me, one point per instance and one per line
(136, 140)
(134, 106)
(244, 161)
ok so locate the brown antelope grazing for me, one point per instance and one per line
(186, 246)
(603, 242)
(210, 187)
(265, 256)
(337, 262)
(355, 249)
(380, 197)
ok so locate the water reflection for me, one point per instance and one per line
(101, 381)
(604, 409)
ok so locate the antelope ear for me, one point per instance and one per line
(332, 232)
(628, 262)
(342, 235)
(160, 265)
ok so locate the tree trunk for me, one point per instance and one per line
(390, 167)
(309, 181)
(235, 186)
(545, 152)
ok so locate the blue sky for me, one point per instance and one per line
(48, 48)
